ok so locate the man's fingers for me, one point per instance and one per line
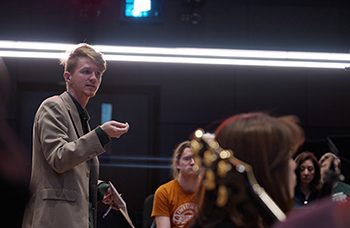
(114, 206)
(120, 125)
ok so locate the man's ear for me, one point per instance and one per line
(67, 76)
(177, 164)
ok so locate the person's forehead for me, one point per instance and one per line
(307, 163)
(187, 152)
(85, 62)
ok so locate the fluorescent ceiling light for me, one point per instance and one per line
(32, 54)
(183, 55)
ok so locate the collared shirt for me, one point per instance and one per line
(84, 118)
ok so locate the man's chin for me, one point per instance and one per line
(192, 172)
(91, 94)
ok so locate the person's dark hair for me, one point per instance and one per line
(266, 143)
(300, 159)
(176, 157)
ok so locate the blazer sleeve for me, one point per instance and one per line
(59, 142)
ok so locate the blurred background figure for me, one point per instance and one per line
(324, 213)
(266, 143)
(174, 202)
(332, 178)
(14, 162)
(308, 179)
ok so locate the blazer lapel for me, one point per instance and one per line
(73, 113)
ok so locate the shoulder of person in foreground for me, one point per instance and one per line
(324, 213)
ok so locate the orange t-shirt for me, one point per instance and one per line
(172, 201)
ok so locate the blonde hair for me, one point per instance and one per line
(83, 50)
(176, 157)
(329, 155)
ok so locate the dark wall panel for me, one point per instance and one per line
(328, 99)
(189, 96)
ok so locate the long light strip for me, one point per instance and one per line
(221, 61)
(183, 55)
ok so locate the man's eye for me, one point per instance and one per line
(87, 72)
(187, 159)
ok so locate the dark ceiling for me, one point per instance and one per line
(307, 25)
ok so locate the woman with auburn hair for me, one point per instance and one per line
(308, 179)
(267, 144)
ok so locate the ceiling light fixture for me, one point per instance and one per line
(21, 49)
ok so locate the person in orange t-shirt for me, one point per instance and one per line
(175, 202)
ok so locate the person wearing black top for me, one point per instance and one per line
(308, 179)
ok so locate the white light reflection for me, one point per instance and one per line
(137, 166)
(142, 5)
(135, 158)
(22, 49)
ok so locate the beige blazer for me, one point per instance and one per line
(62, 163)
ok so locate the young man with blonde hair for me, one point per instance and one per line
(65, 168)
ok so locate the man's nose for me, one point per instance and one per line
(94, 76)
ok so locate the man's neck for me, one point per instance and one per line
(189, 184)
(82, 101)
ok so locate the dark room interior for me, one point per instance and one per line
(164, 103)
